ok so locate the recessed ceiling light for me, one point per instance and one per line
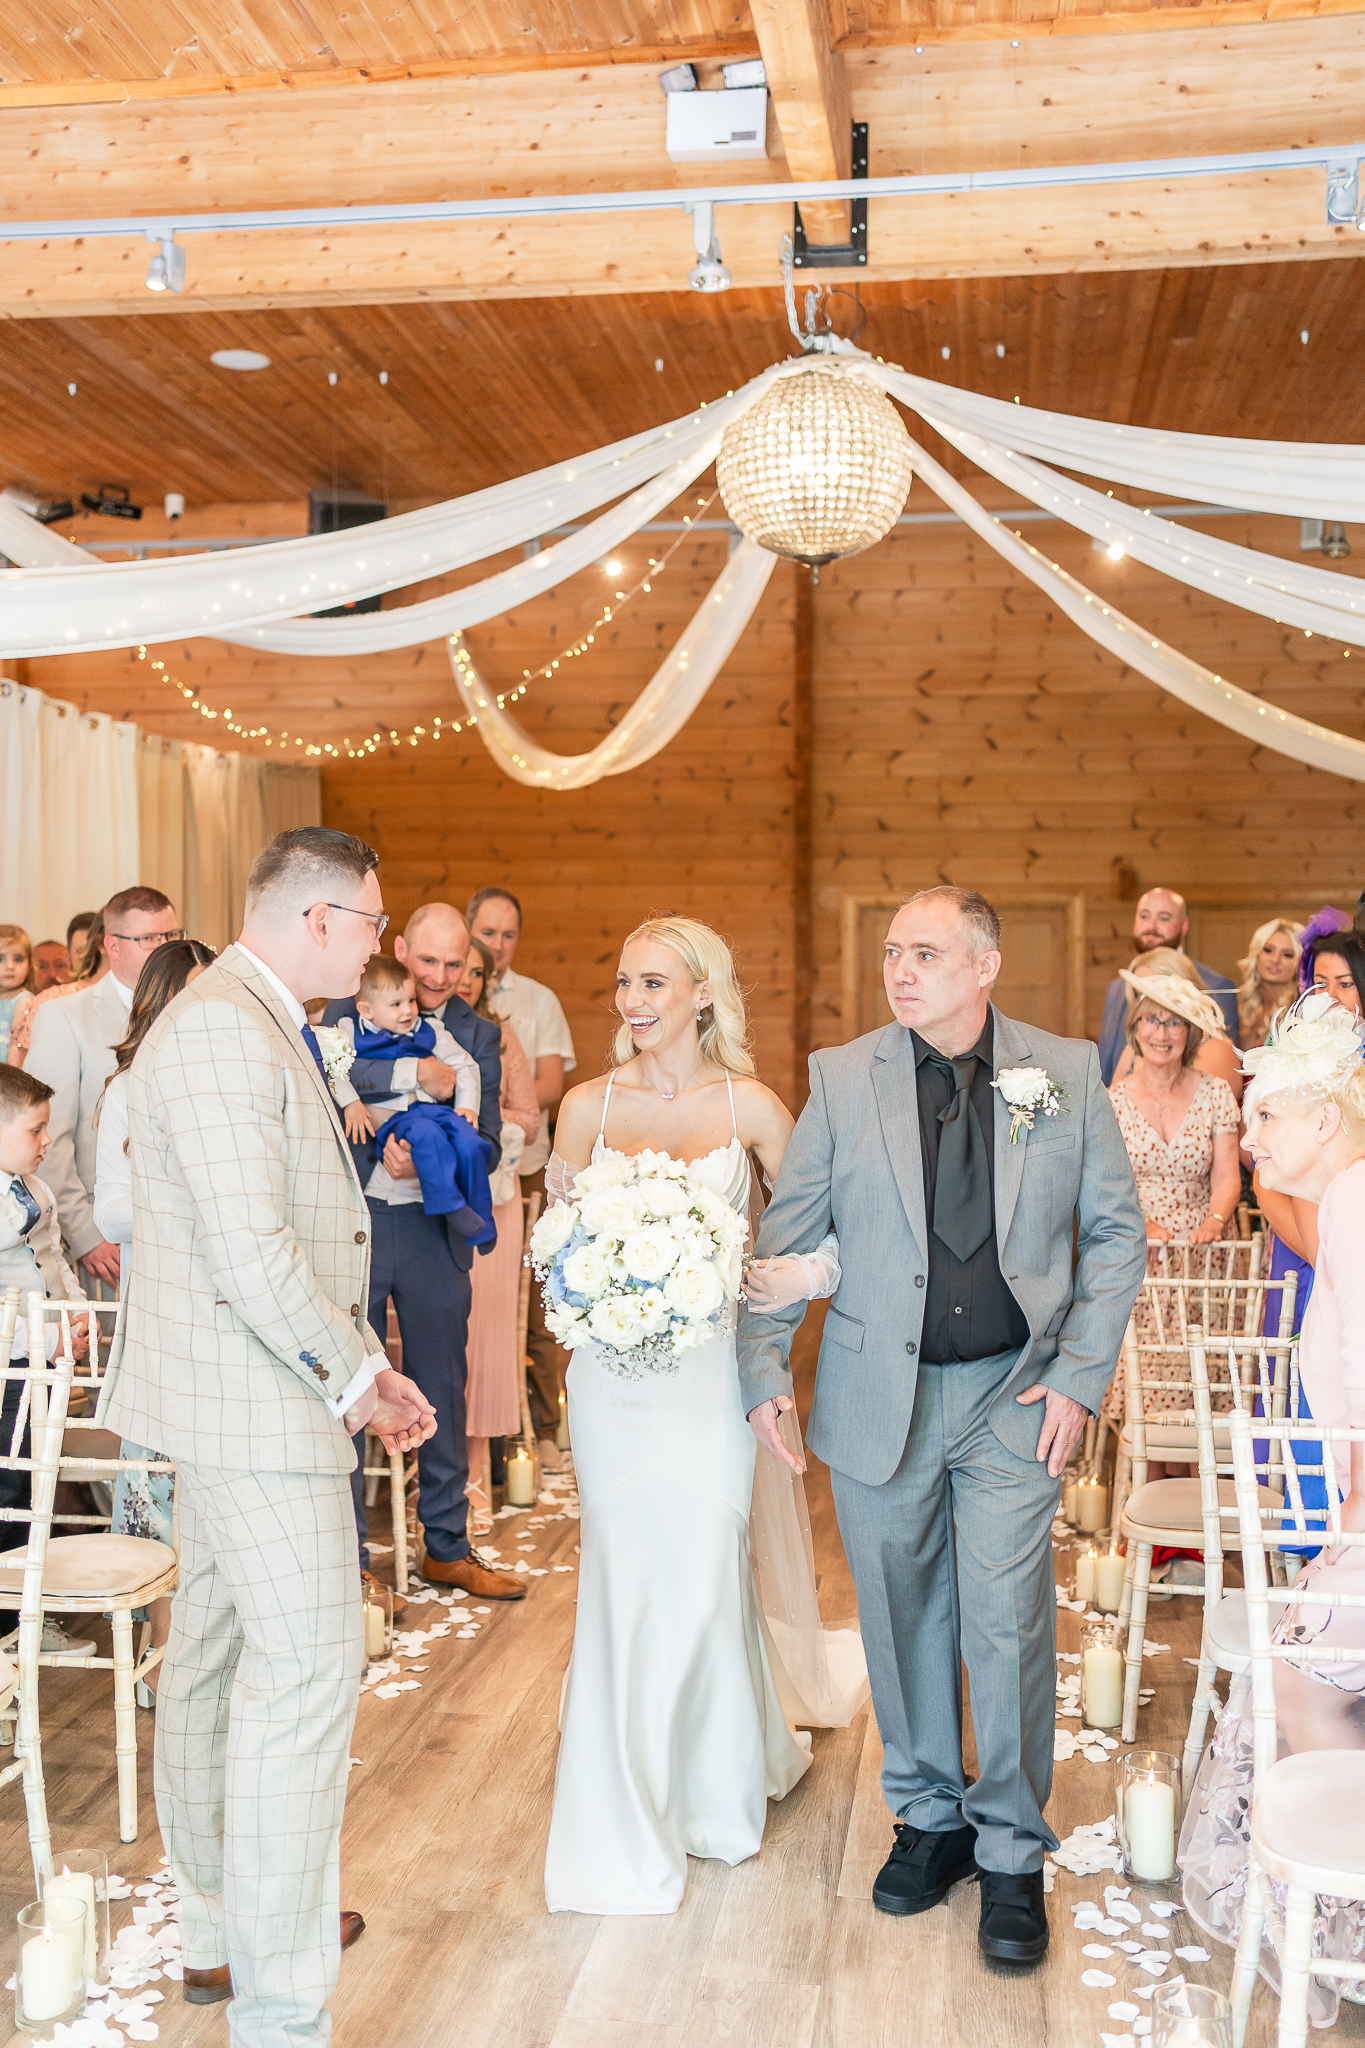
(240, 359)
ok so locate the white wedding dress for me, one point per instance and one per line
(673, 1733)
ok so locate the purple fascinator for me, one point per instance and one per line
(1327, 920)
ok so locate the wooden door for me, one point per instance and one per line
(1042, 949)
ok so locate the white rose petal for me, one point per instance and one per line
(585, 1271)
(615, 1323)
(650, 1253)
(665, 1199)
(553, 1231)
(613, 1170)
(612, 1212)
(694, 1288)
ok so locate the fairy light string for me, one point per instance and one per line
(382, 736)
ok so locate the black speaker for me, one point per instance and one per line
(334, 512)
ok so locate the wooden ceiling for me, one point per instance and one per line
(480, 392)
(76, 49)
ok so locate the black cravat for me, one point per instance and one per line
(962, 1185)
(26, 1202)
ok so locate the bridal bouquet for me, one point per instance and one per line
(642, 1261)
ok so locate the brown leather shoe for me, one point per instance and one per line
(477, 1574)
(211, 1987)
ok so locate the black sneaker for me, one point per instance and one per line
(1013, 1916)
(922, 1868)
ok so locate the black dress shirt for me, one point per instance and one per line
(969, 1311)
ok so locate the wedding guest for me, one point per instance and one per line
(143, 1501)
(492, 1399)
(1216, 1055)
(1338, 966)
(537, 1016)
(88, 965)
(1269, 977)
(71, 1047)
(51, 964)
(80, 931)
(1161, 919)
(1306, 1128)
(18, 985)
(31, 1258)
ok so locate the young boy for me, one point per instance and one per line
(30, 1257)
(390, 1027)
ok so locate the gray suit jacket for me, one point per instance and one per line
(855, 1164)
(244, 1309)
(72, 1049)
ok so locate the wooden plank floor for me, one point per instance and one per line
(443, 1847)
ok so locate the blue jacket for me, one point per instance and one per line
(452, 1166)
(372, 1078)
(1223, 991)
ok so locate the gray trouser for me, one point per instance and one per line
(952, 1560)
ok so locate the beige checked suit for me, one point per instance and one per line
(245, 1312)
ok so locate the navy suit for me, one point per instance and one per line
(425, 1270)
(1223, 991)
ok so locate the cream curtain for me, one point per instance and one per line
(91, 806)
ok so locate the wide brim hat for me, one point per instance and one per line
(1172, 992)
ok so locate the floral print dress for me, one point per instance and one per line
(1175, 1188)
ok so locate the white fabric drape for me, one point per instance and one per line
(128, 604)
(92, 806)
(663, 706)
(1266, 724)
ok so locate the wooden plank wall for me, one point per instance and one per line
(957, 730)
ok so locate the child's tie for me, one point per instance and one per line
(24, 1198)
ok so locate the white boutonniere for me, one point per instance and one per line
(337, 1051)
(1029, 1092)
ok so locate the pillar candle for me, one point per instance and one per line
(521, 1480)
(1092, 1505)
(1085, 1575)
(47, 1969)
(374, 1629)
(1109, 1573)
(1149, 1824)
(1102, 1686)
(562, 1435)
(78, 1885)
(1069, 1502)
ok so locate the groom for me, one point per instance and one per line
(961, 1356)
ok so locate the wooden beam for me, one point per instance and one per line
(891, 26)
(809, 87)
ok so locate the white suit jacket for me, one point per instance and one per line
(246, 1294)
(72, 1049)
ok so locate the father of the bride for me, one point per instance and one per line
(961, 1355)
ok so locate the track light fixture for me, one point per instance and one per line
(708, 273)
(166, 271)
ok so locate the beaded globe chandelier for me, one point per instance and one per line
(819, 468)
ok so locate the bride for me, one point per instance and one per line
(677, 1723)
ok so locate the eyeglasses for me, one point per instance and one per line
(147, 938)
(379, 919)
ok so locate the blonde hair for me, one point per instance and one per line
(17, 933)
(723, 1028)
(1249, 1001)
(1164, 960)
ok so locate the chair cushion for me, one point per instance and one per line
(92, 1566)
(1174, 1504)
(1226, 1628)
(1310, 1808)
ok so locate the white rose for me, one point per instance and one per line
(615, 1322)
(664, 1199)
(649, 1253)
(611, 1171)
(660, 1164)
(1023, 1087)
(585, 1271)
(694, 1288)
(731, 1267)
(611, 1212)
(553, 1231)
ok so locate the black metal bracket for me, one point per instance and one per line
(850, 255)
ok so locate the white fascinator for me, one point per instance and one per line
(1313, 1051)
